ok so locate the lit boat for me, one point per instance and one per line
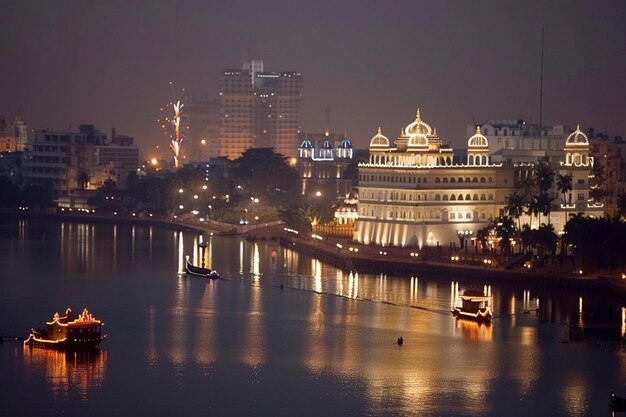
(199, 271)
(68, 333)
(617, 403)
(475, 305)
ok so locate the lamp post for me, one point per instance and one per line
(463, 235)
(209, 212)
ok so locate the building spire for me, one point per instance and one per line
(417, 114)
(478, 130)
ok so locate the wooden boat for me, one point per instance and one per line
(197, 271)
(68, 333)
(617, 403)
(475, 305)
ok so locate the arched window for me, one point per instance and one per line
(437, 197)
(482, 179)
(437, 179)
(452, 179)
(475, 179)
(475, 198)
(452, 198)
(445, 197)
(460, 197)
(482, 197)
(445, 180)
(468, 197)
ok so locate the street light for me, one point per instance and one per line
(209, 213)
(246, 210)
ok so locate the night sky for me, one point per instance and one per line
(64, 63)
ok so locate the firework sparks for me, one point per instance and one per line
(177, 140)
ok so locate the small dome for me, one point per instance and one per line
(327, 144)
(306, 144)
(478, 140)
(418, 127)
(417, 141)
(345, 144)
(577, 138)
(379, 140)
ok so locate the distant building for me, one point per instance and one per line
(518, 140)
(321, 164)
(14, 135)
(259, 109)
(73, 163)
(114, 161)
(610, 154)
(201, 120)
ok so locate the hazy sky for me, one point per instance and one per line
(109, 63)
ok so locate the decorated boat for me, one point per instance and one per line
(198, 271)
(68, 332)
(475, 305)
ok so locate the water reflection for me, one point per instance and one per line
(69, 374)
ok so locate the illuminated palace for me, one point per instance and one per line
(414, 192)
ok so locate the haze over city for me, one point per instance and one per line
(371, 63)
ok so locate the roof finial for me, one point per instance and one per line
(435, 131)
(417, 115)
(478, 130)
(379, 130)
(578, 127)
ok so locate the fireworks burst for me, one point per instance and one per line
(172, 128)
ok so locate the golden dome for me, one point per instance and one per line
(577, 138)
(379, 140)
(418, 127)
(478, 140)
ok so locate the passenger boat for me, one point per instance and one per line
(617, 403)
(475, 305)
(197, 271)
(68, 333)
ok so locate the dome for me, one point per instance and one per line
(327, 144)
(418, 127)
(417, 141)
(379, 140)
(345, 144)
(306, 144)
(478, 140)
(577, 138)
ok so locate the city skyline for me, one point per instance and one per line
(110, 64)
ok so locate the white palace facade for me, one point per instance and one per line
(413, 192)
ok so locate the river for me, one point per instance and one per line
(322, 344)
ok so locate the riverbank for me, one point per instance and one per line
(384, 260)
(347, 255)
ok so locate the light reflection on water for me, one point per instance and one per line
(68, 373)
(329, 333)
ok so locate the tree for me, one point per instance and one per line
(544, 177)
(545, 204)
(515, 207)
(263, 172)
(564, 185)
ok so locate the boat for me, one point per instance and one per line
(617, 403)
(475, 305)
(68, 332)
(197, 271)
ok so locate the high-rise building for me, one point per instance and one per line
(201, 121)
(259, 109)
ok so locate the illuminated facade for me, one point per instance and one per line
(14, 135)
(321, 163)
(412, 192)
(259, 109)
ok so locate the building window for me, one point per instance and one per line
(581, 197)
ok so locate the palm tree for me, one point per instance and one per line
(533, 209)
(515, 207)
(545, 205)
(527, 188)
(564, 185)
(544, 177)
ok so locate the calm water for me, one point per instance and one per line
(323, 345)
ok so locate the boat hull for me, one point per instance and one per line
(64, 344)
(479, 316)
(200, 272)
